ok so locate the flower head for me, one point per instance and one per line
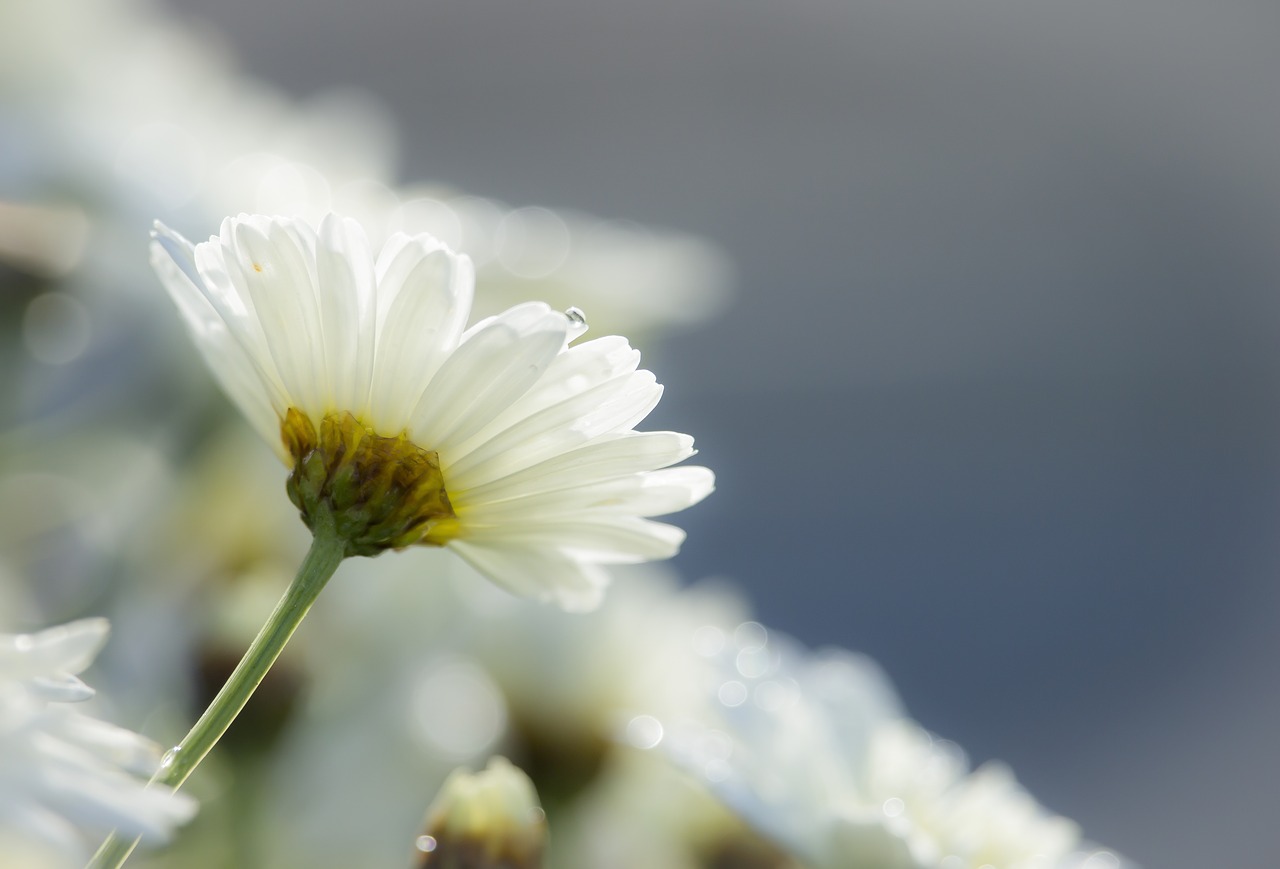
(61, 771)
(402, 426)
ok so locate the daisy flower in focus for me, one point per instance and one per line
(816, 753)
(62, 772)
(403, 426)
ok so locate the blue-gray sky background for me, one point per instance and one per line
(997, 401)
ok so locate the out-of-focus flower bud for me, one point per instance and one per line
(485, 820)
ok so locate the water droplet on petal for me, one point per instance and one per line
(577, 322)
(425, 844)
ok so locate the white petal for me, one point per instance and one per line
(103, 799)
(571, 373)
(345, 278)
(616, 456)
(173, 258)
(270, 259)
(540, 574)
(37, 822)
(612, 406)
(651, 494)
(63, 688)
(68, 648)
(490, 369)
(234, 306)
(116, 745)
(606, 539)
(424, 299)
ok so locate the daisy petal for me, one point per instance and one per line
(424, 297)
(542, 575)
(613, 456)
(490, 369)
(607, 539)
(652, 494)
(560, 428)
(345, 281)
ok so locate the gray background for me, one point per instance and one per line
(997, 400)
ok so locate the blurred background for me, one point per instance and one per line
(996, 399)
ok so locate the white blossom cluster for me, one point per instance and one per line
(664, 729)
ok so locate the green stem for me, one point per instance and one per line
(327, 551)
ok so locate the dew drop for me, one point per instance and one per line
(170, 758)
(893, 807)
(577, 322)
(425, 844)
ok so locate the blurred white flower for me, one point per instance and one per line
(92, 132)
(640, 812)
(405, 427)
(469, 670)
(815, 752)
(630, 277)
(61, 772)
(485, 820)
(89, 116)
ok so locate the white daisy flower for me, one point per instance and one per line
(62, 772)
(816, 753)
(402, 426)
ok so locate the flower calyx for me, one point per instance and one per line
(376, 492)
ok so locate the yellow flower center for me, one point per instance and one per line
(380, 492)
